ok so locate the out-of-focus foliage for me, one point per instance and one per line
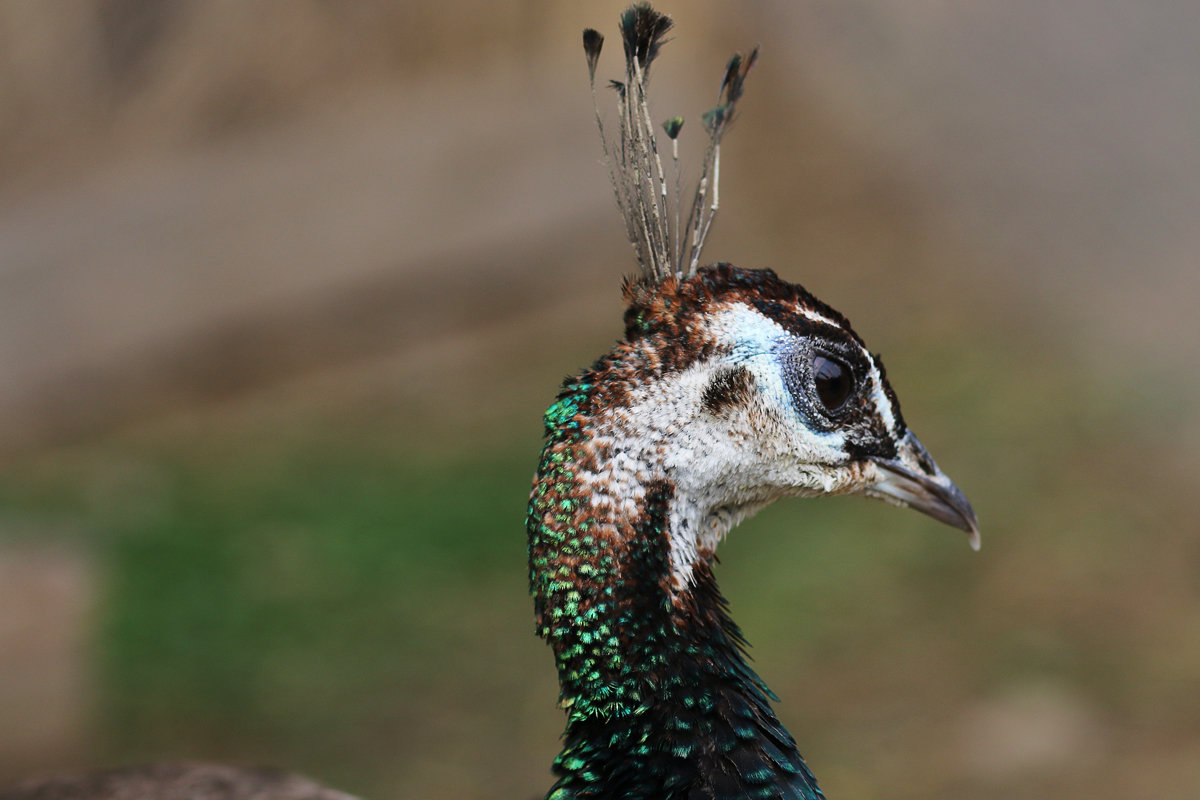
(315, 598)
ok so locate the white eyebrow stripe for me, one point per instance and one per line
(816, 316)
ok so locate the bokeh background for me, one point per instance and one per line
(285, 286)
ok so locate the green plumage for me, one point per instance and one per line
(660, 701)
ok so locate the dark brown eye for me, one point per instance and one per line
(834, 382)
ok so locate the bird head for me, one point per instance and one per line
(732, 387)
(746, 388)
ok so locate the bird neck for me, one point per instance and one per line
(660, 700)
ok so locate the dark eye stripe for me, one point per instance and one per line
(729, 388)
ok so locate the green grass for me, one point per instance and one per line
(307, 605)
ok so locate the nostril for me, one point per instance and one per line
(926, 463)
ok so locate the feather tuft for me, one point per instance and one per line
(635, 166)
(593, 41)
(642, 32)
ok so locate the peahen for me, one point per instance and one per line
(730, 389)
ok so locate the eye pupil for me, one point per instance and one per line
(833, 380)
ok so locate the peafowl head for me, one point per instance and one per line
(732, 388)
(768, 392)
(735, 388)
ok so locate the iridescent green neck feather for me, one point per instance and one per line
(659, 698)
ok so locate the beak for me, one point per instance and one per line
(912, 479)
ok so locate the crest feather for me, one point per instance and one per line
(634, 164)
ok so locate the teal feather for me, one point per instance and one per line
(656, 707)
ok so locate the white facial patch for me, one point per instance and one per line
(722, 466)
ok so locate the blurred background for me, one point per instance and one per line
(286, 285)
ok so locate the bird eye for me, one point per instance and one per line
(834, 381)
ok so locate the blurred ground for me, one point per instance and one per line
(285, 286)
